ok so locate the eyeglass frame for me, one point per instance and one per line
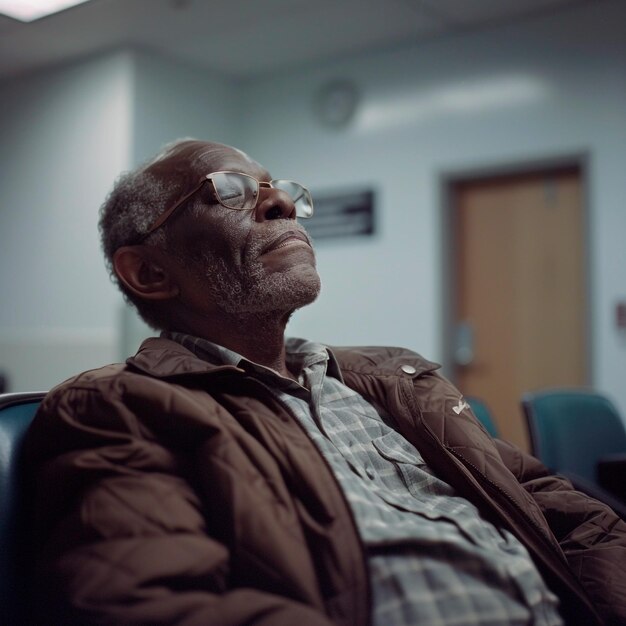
(163, 217)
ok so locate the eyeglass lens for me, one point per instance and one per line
(300, 196)
(239, 191)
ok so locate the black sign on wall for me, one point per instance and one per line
(346, 214)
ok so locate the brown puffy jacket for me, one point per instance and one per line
(171, 491)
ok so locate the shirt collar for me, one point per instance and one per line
(300, 354)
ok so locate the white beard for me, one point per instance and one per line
(249, 289)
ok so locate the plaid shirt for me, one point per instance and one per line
(432, 558)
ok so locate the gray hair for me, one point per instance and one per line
(137, 199)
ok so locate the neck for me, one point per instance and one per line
(260, 337)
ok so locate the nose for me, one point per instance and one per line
(274, 204)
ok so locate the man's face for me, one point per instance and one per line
(257, 261)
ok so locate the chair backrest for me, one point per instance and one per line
(484, 415)
(16, 412)
(570, 429)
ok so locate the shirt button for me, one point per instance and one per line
(408, 369)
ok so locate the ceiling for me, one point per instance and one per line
(244, 37)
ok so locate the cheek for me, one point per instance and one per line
(224, 237)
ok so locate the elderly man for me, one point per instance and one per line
(226, 476)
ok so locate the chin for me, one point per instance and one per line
(288, 291)
(299, 290)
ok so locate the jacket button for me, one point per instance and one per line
(408, 369)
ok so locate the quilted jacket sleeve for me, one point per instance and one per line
(591, 535)
(119, 535)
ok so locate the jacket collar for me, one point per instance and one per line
(382, 361)
(164, 358)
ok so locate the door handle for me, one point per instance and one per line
(464, 344)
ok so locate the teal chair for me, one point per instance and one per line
(573, 432)
(16, 412)
(483, 413)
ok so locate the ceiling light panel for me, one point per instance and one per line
(29, 10)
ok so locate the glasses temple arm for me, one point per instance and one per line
(166, 215)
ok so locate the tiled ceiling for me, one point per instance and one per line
(245, 37)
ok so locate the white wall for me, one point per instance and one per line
(65, 137)
(548, 87)
(173, 100)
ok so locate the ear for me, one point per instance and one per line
(143, 274)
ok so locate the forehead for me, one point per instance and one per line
(217, 157)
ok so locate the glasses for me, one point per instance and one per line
(235, 190)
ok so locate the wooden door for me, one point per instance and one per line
(520, 270)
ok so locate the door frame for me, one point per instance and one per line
(448, 283)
